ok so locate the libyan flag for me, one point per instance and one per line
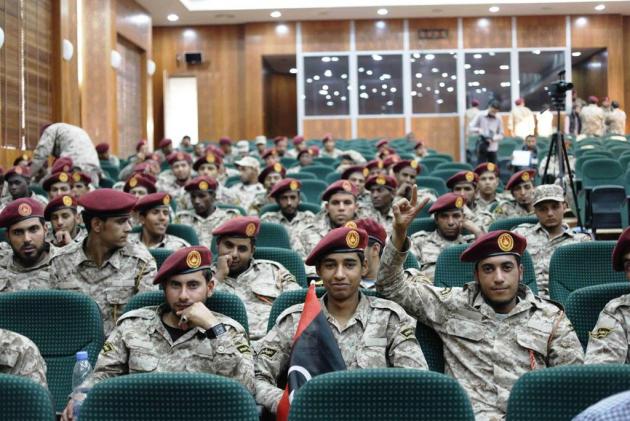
(315, 351)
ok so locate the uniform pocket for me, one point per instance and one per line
(8, 357)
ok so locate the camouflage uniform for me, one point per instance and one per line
(171, 187)
(300, 218)
(592, 118)
(204, 226)
(129, 270)
(14, 277)
(485, 205)
(608, 342)
(244, 196)
(19, 356)
(541, 247)
(140, 343)
(169, 242)
(258, 286)
(380, 334)
(616, 122)
(427, 246)
(336, 153)
(485, 353)
(510, 209)
(481, 218)
(81, 235)
(309, 234)
(409, 275)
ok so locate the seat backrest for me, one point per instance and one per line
(561, 393)
(303, 206)
(61, 323)
(324, 160)
(106, 183)
(222, 302)
(430, 182)
(606, 203)
(444, 174)
(332, 177)
(459, 166)
(381, 394)
(23, 399)
(242, 211)
(432, 161)
(313, 189)
(232, 180)
(509, 223)
(421, 224)
(602, 171)
(184, 232)
(287, 258)
(169, 396)
(579, 265)
(443, 156)
(302, 176)
(288, 161)
(411, 262)
(160, 255)
(320, 171)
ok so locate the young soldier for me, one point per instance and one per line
(154, 211)
(62, 213)
(521, 185)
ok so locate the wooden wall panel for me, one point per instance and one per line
(450, 24)
(66, 95)
(379, 34)
(134, 23)
(331, 35)
(488, 32)
(626, 65)
(370, 128)
(440, 133)
(541, 31)
(339, 128)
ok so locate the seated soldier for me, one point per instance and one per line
(154, 211)
(450, 224)
(225, 145)
(357, 175)
(299, 144)
(349, 158)
(494, 329)
(305, 158)
(390, 161)
(63, 215)
(382, 190)
(257, 282)
(270, 156)
(205, 216)
(209, 165)
(181, 335)
(521, 185)
(243, 194)
(376, 167)
(268, 178)
(18, 183)
(140, 185)
(57, 184)
(549, 233)
(608, 342)
(488, 174)
(281, 145)
(286, 194)
(465, 183)
(420, 150)
(370, 332)
(21, 357)
(381, 145)
(329, 149)
(102, 150)
(80, 183)
(174, 182)
(406, 172)
(105, 266)
(26, 265)
(165, 148)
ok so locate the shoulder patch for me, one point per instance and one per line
(107, 347)
(140, 313)
(408, 332)
(226, 320)
(296, 308)
(268, 352)
(600, 333)
(445, 292)
(243, 348)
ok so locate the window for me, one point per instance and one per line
(537, 69)
(380, 84)
(326, 86)
(488, 79)
(434, 83)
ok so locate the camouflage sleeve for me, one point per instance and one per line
(112, 360)
(608, 342)
(31, 364)
(416, 247)
(42, 151)
(144, 278)
(565, 347)
(234, 358)
(285, 280)
(403, 348)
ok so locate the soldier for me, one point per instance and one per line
(494, 329)
(63, 215)
(18, 183)
(488, 174)
(549, 233)
(281, 145)
(357, 175)
(269, 156)
(593, 119)
(181, 335)
(305, 158)
(370, 332)
(105, 266)
(299, 144)
(522, 122)
(154, 211)
(420, 150)
(286, 193)
(616, 120)
(329, 149)
(21, 357)
(205, 216)
(225, 143)
(140, 185)
(268, 177)
(209, 165)
(257, 282)
(102, 150)
(465, 183)
(521, 185)
(80, 183)
(382, 190)
(376, 167)
(26, 265)
(165, 148)
(180, 163)
(243, 194)
(57, 184)
(448, 212)
(406, 172)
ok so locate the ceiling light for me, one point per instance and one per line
(536, 52)
(328, 73)
(172, 17)
(380, 24)
(275, 14)
(477, 56)
(483, 23)
(493, 9)
(376, 57)
(600, 7)
(382, 12)
(576, 53)
(504, 67)
(429, 57)
(581, 21)
(326, 59)
(293, 70)
(282, 29)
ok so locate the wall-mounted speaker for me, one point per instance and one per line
(193, 57)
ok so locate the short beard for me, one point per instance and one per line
(29, 261)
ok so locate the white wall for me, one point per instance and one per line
(180, 109)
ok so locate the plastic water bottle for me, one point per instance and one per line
(82, 370)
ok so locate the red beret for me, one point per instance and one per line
(351, 170)
(312, 151)
(18, 170)
(139, 180)
(277, 167)
(593, 99)
(474, 102)
(621, 248)
(164, 143)
(241, 226)
(375, 163)
(185, 260)
(337, 186)
(140, 144)
(58, 177)
(62, 164)
(108, 202)
(141, 169)
(487, 167)
(278, 139)
(446, 202)
(327, 137)
(338, 240)
(267, 153)
(519, 101)
(382, 142)
(225, 141)
(462, 177)
(520, 177)
(297, 140)
(152, 200)
(179, 156)
(60, 202)
(284, 185)
(209, 158)
(494, 243)
(374, 230)
(102, 147)
(418, 144)
(154, 157)
(20, 209)
(215, 150)
(391, 160)
(201, 183)
(78, 177)
(407, 163)
(381, 180)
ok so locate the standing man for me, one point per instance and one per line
(470, 114)
(63, 215)
(487, 124)
(616, 120)
(593, 119)
(243, 194)
(522, 122)
(521, 185)
(154, 212)
(286, 194)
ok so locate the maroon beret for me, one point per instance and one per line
(278, 139)
(391, 160)
(140, 144)
(519, 177)
(382, 142)
(284, 185)
(64, 164)
(297, 140)
(338, 240)
(215, 150)
(139, 180)
(621, 248)
(337, 186)
(102, 147)
(179, 156)
(241, 226)
(185, 260)
(108, 202)
(519, 101)
(164, 143)
(267, 153)
(327, 137)
(60, 202)
(312, 151)
(351, 170)
(474, 102)
(78, 177)
(446, 202)
(152, 200)
(277, 167)
(201, 183)
(593, 99)
(225, 141)
(18, 170)
(487, 167)
(375, 163)
(58, 177)
(209, 158)
(406, 163)
(374, 230)
(419, 143)
(494, 243)
(19, 210)
(462, 177)
(381, 180)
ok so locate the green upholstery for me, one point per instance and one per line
(232, 180)
(332, 177)
(302, 176)
(580, 265)
(106, 183)
(421, 224)
(287, 258)
(37, 189)
(509, 223)
(169, 396)
(450, 272)
(442, 156)
(23, 399)
(288, 161)
(313, 189)
(301, 207)
(459, 166)
(222, 302)
(430, 182)
(597, 172)
(444, 174)
(242, 211)
(560, 393)
(381, 394)
(325, 160)
(61, 323)
(432, 161)
(270, 235)
(320, 171)
(411, 262)
(3, 235)
(111, 171)
(160, 255)
(584, 305)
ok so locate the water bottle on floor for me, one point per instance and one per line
(82, 370)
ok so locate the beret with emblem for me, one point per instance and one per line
(64, 164)
(412, 163)
(381, 180)
(225, 141)
(462, 177)
(140, 144)
(339, 186)
(382, 142)
(107, 202)
(487, 167)
(621, 248)
(279, 139)
(339, 240)
(102, 147)
(209, 158)
(164, 143)
(375, 231)
(60, 202)
(297, 140)
(18, 170)
(241, 226)
(375, 163)
(179, 156)
(153, 200)
(58, 177)
(312, 151)
(446, 202)
(351, 170)
(285, 185)
(19, 210)
(139, 180)
(267, 153)
(215, 150)
(391, 160)
(520, 177)
(201, 183)
(494, 243)
(81, 177)
(277, 167)
(185, 260)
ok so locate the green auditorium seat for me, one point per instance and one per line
(302, 176)
(324, 160)
(302, 207)
(23, 399)
(106, 183)
(332, 177)
(561, 393)
(184, 232)
(169, 396)
(288, 162)
(242, 211)
(313, 190)
(381, 394)
(444, 174)
(287, 258)
(61, 323)
(270, 235)
(602, 171)
(320, 171)
(459, 166)
(421, 224)
(160, 255)
(432, 161)
(232, 180)
(222, 302)
(111, 171)
(509, 223)
(443, 156)
(575, 266)
(411, 262)
(584, 305)
(37, 189)
(430, 182)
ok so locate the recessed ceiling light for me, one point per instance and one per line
(581, 21)
(275, 14)
(172, 17)
(293, 70)
(282, 29)
(600, 7)
(494, 9)
(381, 24)
(382, 12)
(576, 53)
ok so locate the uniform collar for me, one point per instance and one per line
(566, 230)
(361, 314)
(526, 299)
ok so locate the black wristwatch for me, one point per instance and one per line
(215, 331)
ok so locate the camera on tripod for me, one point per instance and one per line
(557, 91)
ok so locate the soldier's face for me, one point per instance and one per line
(524, 193)
(27, 239)
(377, 171)
(357, 179)
(449, 223)
(488, 183)
(406, 175)
(18, 187)
(382, 197)
(182, 291)
(341, 274)
(202, 200)
(467, 190)
(65, 220)
(289, 202)
(113, 232)
(341, 208)
(58, 189)
(239, 249)
(329, 145)
(272, 179)
(550, 213)
(208, 170)
(498, 278)
(79, 188)
(282, 145)
(306, 159)
(155, 221)
(139, 191)
(248, 174)
(181, 170)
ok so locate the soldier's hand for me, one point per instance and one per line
(62, 238)
(404, 190)
(404, 213)
(67, 414)
(472, 228)
(223, 267)
(197, 315)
